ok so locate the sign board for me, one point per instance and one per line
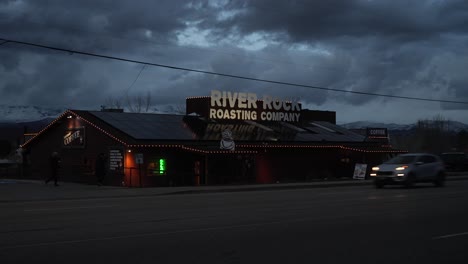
(74, 138)
(139, 158)
(162, 166)
(377, 132)
(242, 131)
(247, 106)
(115, 159)
(227, 142)
(157, 166)
(360, 171)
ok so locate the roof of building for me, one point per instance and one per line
(147, 126)
(187, 130)
(179, 127)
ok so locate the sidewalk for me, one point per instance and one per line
(14, 190)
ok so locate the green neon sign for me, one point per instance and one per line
(162, 166)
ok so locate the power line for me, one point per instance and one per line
(228, 75)
(138, 76)
(225, 51)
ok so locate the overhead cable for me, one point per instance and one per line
(227, 75)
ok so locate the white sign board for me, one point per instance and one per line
(360, 171)
(115, 159)
(139, 158)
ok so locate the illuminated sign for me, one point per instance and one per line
(246, 106)
(69, 137)
(162, 166)
(157, 166)
(74, 137)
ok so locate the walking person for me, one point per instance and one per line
(54, 161)
(100, 168)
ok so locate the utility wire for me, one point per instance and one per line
(228, 75)
(5, 41)
(134, 81)
(198, 49)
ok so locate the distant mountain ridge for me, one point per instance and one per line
(22, 113)
(26, 114)
(366, 124)
(453, 126)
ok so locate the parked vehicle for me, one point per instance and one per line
(408, 169)
(455, 161)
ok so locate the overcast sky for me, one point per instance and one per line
(396, 47)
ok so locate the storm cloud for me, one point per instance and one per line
(402, 48)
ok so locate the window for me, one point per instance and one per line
(427, 159)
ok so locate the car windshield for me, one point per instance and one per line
(401, 160)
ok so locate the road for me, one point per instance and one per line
(356, 224)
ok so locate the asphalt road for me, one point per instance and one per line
(357, 224)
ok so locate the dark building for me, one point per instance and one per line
(214, 143)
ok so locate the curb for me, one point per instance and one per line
(273, 188)
(194, 190)
(291, 187)
(199, 191)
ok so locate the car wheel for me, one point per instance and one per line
(440, 180)
(410, 180)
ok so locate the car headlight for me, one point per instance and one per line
(375, 168)
(401, 168)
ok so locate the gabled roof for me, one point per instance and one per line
(89, 119)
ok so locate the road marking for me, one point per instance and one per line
(68, 208)
(450, 236)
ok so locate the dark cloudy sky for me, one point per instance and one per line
(405, 48)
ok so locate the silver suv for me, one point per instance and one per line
(408, 169)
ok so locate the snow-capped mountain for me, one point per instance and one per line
(454, 126)
(21, 113)
(457, 126)
(366, 124)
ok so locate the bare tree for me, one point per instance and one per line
(134, 103)
(180, 109)
(147, 102)
(113, 102)
(139, 103)
(433, 135)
